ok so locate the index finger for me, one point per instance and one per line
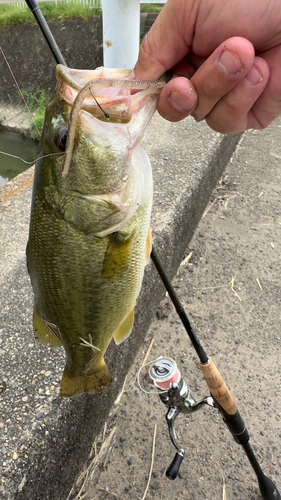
(168, 41)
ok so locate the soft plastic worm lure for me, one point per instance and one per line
(90, 88)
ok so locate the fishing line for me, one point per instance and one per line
(17, 85)
(158, 391)
(32, 161)
(106, 115)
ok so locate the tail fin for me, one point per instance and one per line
(74, 385)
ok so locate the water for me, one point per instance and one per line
(15, 144)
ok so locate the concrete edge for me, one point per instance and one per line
(15, 186)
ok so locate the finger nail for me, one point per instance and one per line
(181, 102)
(253, 76)
(229, 63)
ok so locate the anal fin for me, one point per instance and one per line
(125, 328)
(46, 333)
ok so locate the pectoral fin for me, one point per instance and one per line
(125, 328)
(117, 255)
(74, 385)
(47, 333)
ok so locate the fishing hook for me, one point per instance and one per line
(106, 115)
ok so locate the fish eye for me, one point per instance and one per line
(61, 138)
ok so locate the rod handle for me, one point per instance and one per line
(174, 468)
(218, 387)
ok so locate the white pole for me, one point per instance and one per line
(121, 33)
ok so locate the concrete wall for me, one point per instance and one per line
(33, 65)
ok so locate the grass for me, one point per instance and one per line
(11, 14)
(151, 7)
(36, 102)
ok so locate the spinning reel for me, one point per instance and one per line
(176, 395)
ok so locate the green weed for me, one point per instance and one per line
(151, 7)
(36, 102)
(11, 14)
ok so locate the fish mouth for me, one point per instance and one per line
(114, 104)
(126, 106)
(113, 112)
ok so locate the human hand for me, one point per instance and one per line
(225, 59)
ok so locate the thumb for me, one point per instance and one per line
(168, 41)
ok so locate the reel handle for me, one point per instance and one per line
(268, 489)
(173, 470)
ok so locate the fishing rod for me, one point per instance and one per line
(176, 394)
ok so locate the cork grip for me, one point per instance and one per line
(218, 387)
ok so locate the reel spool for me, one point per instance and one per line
(164, 372)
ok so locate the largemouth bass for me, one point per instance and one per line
(89, 236)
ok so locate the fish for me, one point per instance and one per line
(89, 235)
